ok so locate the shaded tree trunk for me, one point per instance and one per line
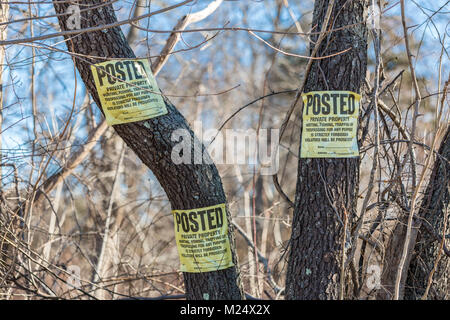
(432, 216)
(187, 186)
(327, 187)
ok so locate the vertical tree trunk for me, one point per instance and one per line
(327, 187)
(433, 214)
(187, 186)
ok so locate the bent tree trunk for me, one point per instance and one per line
(434, 213)
(187, 186)
(327, 187)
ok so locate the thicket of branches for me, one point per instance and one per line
(81, 217)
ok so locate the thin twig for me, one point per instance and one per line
(405, 250)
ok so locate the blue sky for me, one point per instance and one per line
(56, 78)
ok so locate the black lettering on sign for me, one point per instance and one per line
(341, 103)
(184, 222)
(211, 224)
(308, 103)
(127, 64)
(351, 104)
(142, 68)
(219, 215)
(316, 104)
(202, 215)
(136, 72)
(115, 71)
(335, 96)
(177, 221)
(193, 221)
(325, 102)
(119, 68)
(101, 74)
(199, 221)
(111, 72)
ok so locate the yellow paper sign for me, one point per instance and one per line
(330, 123)
(128, 91)
(202, 239)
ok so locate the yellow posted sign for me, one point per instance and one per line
(330, 123)
(202, 239)
(128, 91)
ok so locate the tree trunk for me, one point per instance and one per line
(187, 186)
(327, 187)
(434, 213)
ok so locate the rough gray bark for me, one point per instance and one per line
(187, 186)
(315, 245)
(432, 214)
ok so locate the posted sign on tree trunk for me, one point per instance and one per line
(330, 123)
(128, 91)
(202, 239)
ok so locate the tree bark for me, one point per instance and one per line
(433, 214)
(315, 245)
(187, 186)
